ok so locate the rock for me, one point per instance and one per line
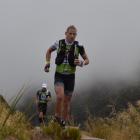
(84, 137)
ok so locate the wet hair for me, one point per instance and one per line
(71, 27)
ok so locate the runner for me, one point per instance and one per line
(67, 59)
(43, 96)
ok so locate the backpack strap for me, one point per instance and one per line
(62, 45)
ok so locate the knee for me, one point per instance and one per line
(59, 98)
(41, 115)
(59, 93)
(66, 102)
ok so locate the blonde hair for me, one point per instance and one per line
(71, 27)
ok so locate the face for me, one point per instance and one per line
(43, 89)
(71, 35)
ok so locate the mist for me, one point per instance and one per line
(109, 30)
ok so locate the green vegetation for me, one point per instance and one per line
(113, 117)
(104, 100)
(123, 126)
(56, 132)
(13, 124)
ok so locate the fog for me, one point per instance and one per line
(108, 29)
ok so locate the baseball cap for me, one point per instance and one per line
(44, 85)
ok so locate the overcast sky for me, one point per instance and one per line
(109, 30)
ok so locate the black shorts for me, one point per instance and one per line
(68, 81)
(42, 108)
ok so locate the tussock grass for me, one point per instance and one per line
(124, 126)
(16, 125)
(56, 132)
(12, 122)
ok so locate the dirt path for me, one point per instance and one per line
(84, 137)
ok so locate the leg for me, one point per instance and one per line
(59, 89)
(42, 118)
(42, 113)
(66, 107)
(68, 91)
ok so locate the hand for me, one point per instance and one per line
(48, 99)
(46, 69)
(78, 62)
(41, 115)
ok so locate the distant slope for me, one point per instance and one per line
(2, 100)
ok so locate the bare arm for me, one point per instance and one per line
(86, 60)
(79, 62)
(48, 54)
(37, 101)
(48, 58)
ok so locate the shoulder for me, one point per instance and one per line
(38, 92)
(81, 48)
(48, 92)
(61, 41)
(79, 45)
(55, 45)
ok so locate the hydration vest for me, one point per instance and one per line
(43, 96)
(72, 53)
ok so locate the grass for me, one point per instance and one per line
(124, 126)
(15, 124)
(12, 122)
(56, 132)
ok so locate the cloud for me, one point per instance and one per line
(109, 30)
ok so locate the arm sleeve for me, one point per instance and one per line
(37, 98)
(49, 93)
(37, 94)
(55, 45)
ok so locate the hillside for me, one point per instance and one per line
(124, 125)
(14, 125)
(104, 112)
